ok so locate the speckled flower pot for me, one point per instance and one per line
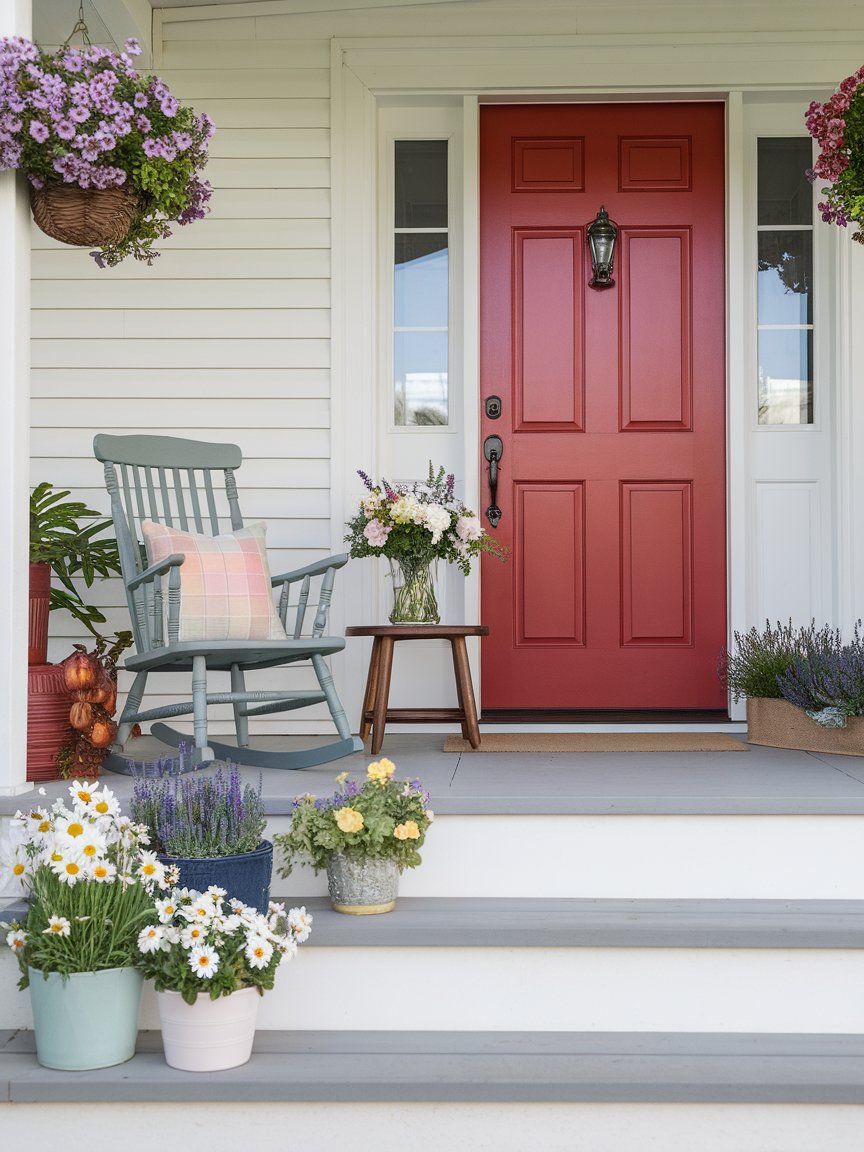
(362, 886)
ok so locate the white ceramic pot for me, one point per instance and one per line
(208, 1035)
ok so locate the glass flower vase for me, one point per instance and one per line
(414, 593)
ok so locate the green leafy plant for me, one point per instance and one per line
(57, 538)
(380, 818)
(200, 816)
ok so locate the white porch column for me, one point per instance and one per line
(15, 20)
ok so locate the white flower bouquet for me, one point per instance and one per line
(89, 881)
(414, 525)
(422, 521)
(199, 943)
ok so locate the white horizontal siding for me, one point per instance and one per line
(198, 383)
(226, 336)
(191, 323)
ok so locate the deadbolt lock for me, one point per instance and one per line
(493, 407)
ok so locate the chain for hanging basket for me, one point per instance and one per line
(80, 26)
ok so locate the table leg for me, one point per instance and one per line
(369, 694)
(460, 695)
(465, 691)
(382, 693)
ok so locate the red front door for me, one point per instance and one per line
(612, 477)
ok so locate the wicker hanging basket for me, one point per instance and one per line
(84, 216)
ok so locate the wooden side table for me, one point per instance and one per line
(376, 714)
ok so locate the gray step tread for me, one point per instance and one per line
(550, 923)
(464, 1066)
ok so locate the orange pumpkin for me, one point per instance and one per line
(100, 690)
(103, 732)
(80, 671)
(80, 715)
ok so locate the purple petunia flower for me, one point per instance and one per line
(65, 129)
(38, 131)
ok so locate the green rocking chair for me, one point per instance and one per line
(180, 485)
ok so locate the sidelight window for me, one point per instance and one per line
(421, 284)
(785, 281)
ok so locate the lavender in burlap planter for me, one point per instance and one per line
(362, 886)
(779, 724)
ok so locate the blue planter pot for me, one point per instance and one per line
(245, 876)
(89, 1020)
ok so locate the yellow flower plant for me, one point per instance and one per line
(379, 818)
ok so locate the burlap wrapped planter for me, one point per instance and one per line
(779, 724)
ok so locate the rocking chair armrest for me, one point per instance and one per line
(316, 569)
(150, 574)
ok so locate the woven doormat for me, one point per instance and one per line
(599, 742)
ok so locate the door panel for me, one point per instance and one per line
(612, 478)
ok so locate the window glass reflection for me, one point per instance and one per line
(785, 277)
(420, 285)
(420, 362)
(785, 376)
(785, 194)
(421, 184)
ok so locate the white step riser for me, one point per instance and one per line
(643, 857)
(547, 989)
(94, 1127)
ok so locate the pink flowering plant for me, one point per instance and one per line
(838, 127)
(85, 117)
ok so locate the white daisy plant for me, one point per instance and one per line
(89, 884)
(205, 943)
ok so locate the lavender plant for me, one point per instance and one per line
(200, 816)
(827, 681)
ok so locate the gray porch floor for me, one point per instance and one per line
(756, 781)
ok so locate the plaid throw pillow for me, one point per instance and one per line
(225, 590)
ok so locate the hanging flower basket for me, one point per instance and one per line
(838, 127)
(112, 157)
(89, 217)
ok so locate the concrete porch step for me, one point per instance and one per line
(565, 965)
(458, 1066)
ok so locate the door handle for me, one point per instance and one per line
(493, 450)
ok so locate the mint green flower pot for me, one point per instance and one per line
(89, 1020)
